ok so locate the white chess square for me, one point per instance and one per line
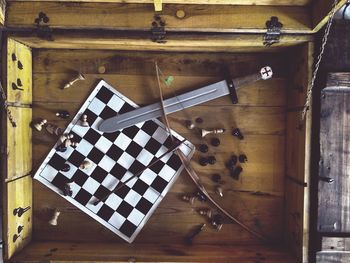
(103, 144)
(135, 217)
(80, 130)
(91, 185)
(106, 163)
(116, 103)
(162, 150)
(141, 138)
(96, 106)
(75, 189)
(122, 141)
(160, 135)
(96, 124)
(116, 220)
(71, 171)
(110, 182)
(84, 147)
(166, 157)
(126, 160)
(148, 176)
(94, 208)
(167, 173)
(113, 201)
(151, 195)
(132, 198)
(145, 157)
(131, 182)
(49, 173)
(66, 153)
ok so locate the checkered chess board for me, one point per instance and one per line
(115, 157)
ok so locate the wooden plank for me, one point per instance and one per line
(212, 18)
(321, 11)
(196, 43)
(17, 194)
(333, 215)
(18, 147)
(64, 252)
(195, 2)
(19, 72)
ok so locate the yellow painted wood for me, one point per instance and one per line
(211, 18)
(158, 5)
(17, 194)
(222, 43)
(19, 56)
(19, 143)
(2, 12)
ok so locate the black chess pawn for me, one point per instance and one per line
(211, 160)
(67, 190)
(201, 197)
(63, 114)
(65, 167)
(237, 133)
(61, 148)
(203, 161)
(215, 142)
(203, 148)
(236, 172)
(242, 158)
(232, 162)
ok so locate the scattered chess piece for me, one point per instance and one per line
(242, 158)
(216, 178)
(189, 125)
(211, 160)
(217, 222)
(215, 142)
(54, 129)
(69, 84)
(101, 69)
(65, 167)
(39, 126)
(205, 212)
(203, 148)
(199, 120)
(85, 164)
(232, 162)
(215, 131)
(203, 161)
(84, 122)
(63, 114)
(19, 229)
(236, 172)
(237, 133)
(190, 199)
(74, 144)
(53, 220)
(61, 148)
(62, 138)
(201, 197)
(67, 190)
(219, 191)
(68, 141)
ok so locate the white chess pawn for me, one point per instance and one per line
(55, 216)
(84, 121)
(39, 126)
(62, 138)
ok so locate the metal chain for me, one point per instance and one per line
(318, 62)
(6, 108)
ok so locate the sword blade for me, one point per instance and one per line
(171, 105)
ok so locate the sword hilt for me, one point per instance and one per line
(264, 74)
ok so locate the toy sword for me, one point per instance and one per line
(186, 100)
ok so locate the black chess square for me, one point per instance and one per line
(92, 136)
(157, 166)
(91, 117)
(126, 108)
(144, 205)
(99, 174)
(83, 196)
(127, 228)
(131, 131)
(76, 158)
(112, 136)
(124, 209)
(60, 180)
(76, 137)
(80, 177)
(140, 187)
(174, 162)
(153, 146)
(114, 152)
(168, 142)
(104, 95)
(118, 171)
(95, 155)
(101, 192)
(105, 212)
(57, 161)
(159, 184)
(136, 167)
(134, 149)
(107, 112)
(123, 191)
(150, 127)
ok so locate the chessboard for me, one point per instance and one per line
(114, 158)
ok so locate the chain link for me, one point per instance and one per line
(318, 62)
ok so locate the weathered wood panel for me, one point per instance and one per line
(333, 212)
(219, 18)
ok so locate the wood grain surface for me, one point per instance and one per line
(333, 211)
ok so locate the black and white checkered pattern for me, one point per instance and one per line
(115, 157)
